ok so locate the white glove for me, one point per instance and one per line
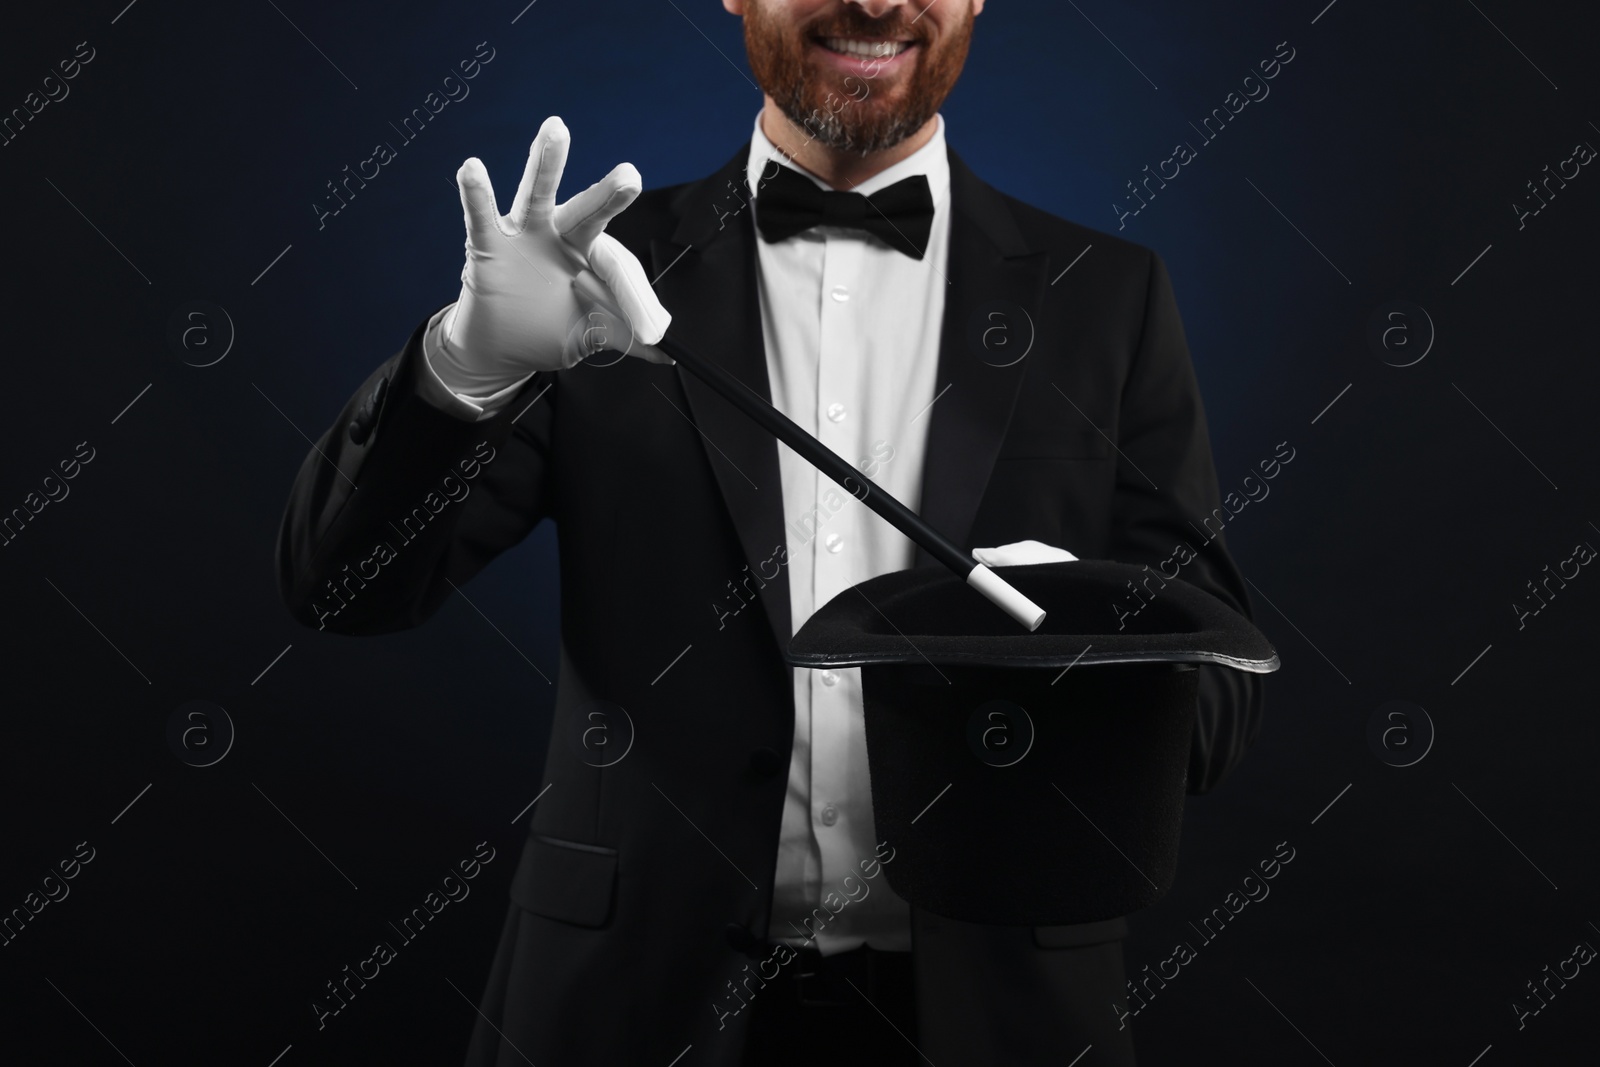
(1021, 553)
(518, 312)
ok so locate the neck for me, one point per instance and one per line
(839, 168)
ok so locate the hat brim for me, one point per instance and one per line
(1096, 612)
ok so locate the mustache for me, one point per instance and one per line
(851, 22)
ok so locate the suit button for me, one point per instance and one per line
(742, 940)
(766, 762)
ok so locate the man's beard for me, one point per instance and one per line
(859, 117)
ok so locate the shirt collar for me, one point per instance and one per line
(931, 161)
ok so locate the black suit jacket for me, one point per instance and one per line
(644, 883)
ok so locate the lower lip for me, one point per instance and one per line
(864, 66)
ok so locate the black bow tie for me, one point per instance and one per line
(901, 214)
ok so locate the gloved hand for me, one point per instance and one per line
(518, 312)
(1021, 553)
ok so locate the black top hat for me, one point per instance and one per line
(1029, 778)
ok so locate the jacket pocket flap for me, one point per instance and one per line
(566, 880)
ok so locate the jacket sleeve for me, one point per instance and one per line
(1166, 490)
(399, 498)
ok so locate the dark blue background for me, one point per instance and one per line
(1386, 558)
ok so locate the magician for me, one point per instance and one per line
(701, 877)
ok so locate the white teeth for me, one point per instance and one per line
(870, 49)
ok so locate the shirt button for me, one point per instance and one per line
(836, 412)
(841, 293)
(829, 815)
(830, 679)
(833, 542)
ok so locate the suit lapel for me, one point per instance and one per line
(706, 277)
(996, 284)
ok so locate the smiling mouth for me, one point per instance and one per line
(866, 48)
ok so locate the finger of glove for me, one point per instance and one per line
(582, 218)
(1021, 554)
(541, 176)
(477, 203)
(625, 277)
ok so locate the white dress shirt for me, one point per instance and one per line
(852, 333)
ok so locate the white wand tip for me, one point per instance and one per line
(1006, 596)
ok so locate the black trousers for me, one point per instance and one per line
(851, 1008)
(861, 1007)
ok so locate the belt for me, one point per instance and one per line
(844, 978)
